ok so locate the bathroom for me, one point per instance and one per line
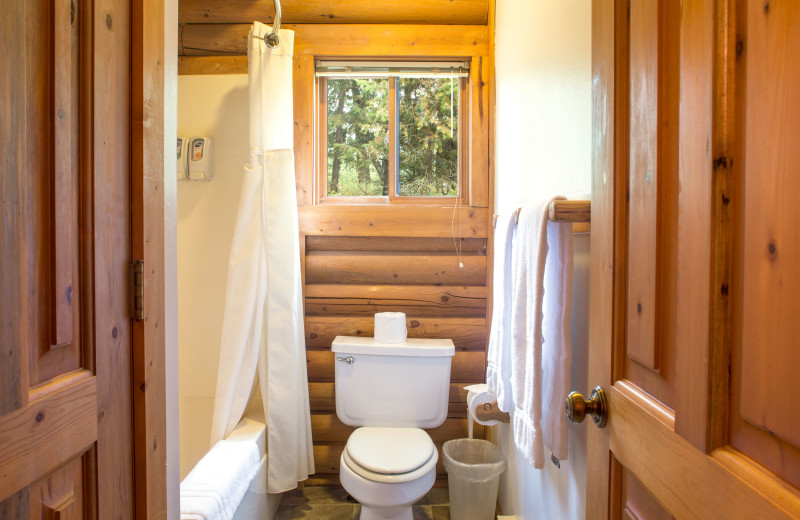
(378, 186)
(556, 98)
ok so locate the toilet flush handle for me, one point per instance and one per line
(349, 359)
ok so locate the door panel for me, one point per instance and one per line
(765, 356)
(695, 242)
(65, 333)
(649, 37)
(635, 501)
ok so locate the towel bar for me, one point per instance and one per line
(563, 211)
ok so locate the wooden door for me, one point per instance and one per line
(66, 436)
(695, 249)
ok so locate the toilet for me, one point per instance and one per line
(390, 392)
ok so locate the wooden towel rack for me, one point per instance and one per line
(564, 211)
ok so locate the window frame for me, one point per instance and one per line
(320, 168)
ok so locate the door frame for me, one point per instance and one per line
(153, 192)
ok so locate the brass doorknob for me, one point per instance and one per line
(576, 407)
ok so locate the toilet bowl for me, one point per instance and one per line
(389, 393)
(387, 470)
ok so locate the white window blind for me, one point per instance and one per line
(396, 69)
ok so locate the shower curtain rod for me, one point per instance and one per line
(271, 39)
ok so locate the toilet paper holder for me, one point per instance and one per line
(491, 412)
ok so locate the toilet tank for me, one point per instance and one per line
(392, 385)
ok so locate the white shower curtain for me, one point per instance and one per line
(263, 321)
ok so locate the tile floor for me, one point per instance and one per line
(330, 503)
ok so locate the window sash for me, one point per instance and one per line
(394, 149)
(399, 69)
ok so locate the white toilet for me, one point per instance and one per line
(389, 392)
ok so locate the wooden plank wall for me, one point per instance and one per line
(363, 259)
(354, 271)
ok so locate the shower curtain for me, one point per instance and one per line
(263, 321)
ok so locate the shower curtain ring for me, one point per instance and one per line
(271, 40)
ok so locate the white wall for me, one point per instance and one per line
(170, 257)
(543, 147)
(216, 107)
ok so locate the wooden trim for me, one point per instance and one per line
(345, 40)
(466, 12)
(319, 174)
(393, 220)
(394, 138)
(28, 450)
(148, 240)
(200, 65)
(727, 146)
(601, 291)
(570, 211)
(640, 438)
(479, 77)
(304, 98)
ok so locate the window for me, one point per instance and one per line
(390, 131)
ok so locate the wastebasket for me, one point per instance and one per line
(473, 473)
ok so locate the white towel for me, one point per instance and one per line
(498, 366)
(557, 346)
(216, 486)
(529, 325)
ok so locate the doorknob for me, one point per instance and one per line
(576, 407)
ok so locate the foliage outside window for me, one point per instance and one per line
(391, 136)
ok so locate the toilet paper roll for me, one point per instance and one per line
(390, 327)
(479, 398)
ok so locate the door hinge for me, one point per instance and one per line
(137, 290)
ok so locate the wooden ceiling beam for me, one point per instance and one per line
(430, 12)
(344, 40)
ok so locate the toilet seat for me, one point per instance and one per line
(390, 455)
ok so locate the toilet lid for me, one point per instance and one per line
(390, 450)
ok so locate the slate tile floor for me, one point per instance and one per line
(330, 503)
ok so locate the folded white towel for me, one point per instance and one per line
(527, 312)
(498, 366)
(557, 346)
(216, 486)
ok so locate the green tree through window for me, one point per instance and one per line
(358, 130)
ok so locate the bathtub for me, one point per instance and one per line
(257, 504)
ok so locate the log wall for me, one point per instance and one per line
(368, 258)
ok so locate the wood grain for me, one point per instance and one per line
(415, 300)
(111, 239)
(607, 22)
(695, 222)
(393, 221)
(200, 65)
(28, 450)
(65, 129)
(644, 176)
(466, 333)
(147, 195)
(14, 364)
(377, 243)
(479, 112)
(460, 12)
(640, 438)
(344, 40)
(766, 352)
(375, 267)
(303, 99)
(570, 211)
